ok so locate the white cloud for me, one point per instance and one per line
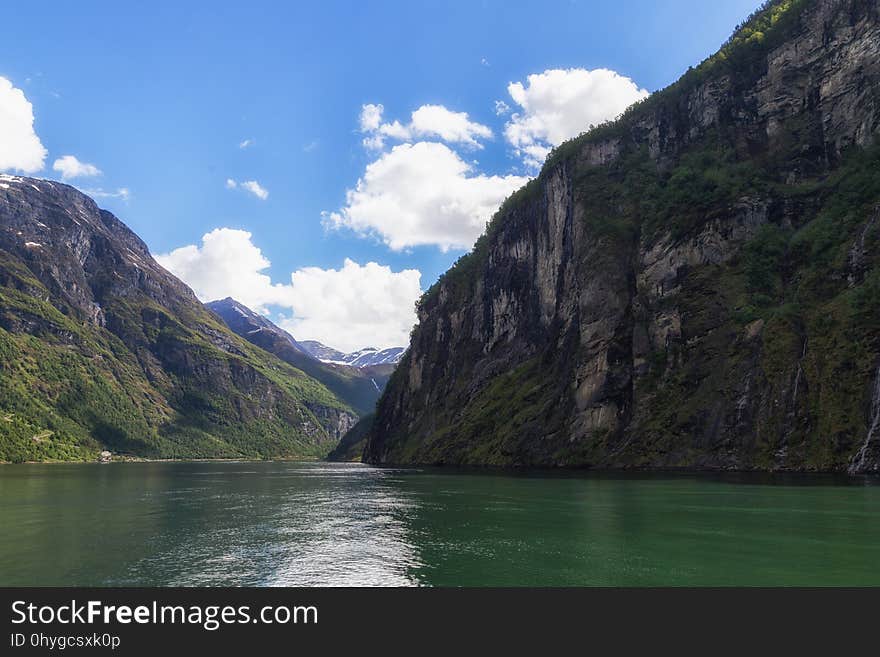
(427, 121)
(256, 189)
(226, 264)
(374, 142)
(347, 308)
(422, 193)
(371, 117)
(122, 193)
(251, 186)
(355, 306)
(20, 147)
(245, 143)
(501, 108)
(559, 104)
(431, 120)
(70, 167)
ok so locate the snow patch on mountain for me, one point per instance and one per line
(365, 357)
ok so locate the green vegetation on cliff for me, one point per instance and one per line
(108, 351)
(692, 285)
(71, 390)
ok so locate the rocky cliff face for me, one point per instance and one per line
(694, 285)
(101, 347)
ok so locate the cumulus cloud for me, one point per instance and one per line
(561, 103)
(227, 264)
(501, 108)
(347, 308)
(245, 143)
(70, 167)
(355, 306)
(371, 117)
(20, 147)
(427, 121)
(422, 193)
(251, 186)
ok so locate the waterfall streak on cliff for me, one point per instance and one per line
(858, 463)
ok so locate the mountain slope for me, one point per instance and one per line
(366, 357)
(694, 285)
(101, 347)
(358, 387)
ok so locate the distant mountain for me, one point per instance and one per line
(359, 387)
(102, 348)
(362, 358)
(254, 327)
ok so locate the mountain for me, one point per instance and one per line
(365, 357)
(359, 387)
(100, 347)
(694, 285)
(244, 321)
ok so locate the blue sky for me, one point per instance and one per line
(160, 98)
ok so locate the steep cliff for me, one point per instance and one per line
(351, 445)
(102, 348)
(693, 285)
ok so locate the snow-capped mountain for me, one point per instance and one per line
(365, 357)
(246, 322)
(358, 385)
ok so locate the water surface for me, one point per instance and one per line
(292, 524)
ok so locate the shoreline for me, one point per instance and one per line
(513, 470)
(141, 459)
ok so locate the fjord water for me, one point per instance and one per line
(263, 524)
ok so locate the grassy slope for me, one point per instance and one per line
(67, 388)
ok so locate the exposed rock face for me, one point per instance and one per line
(103, 347)
(351, 447)
(689, 287)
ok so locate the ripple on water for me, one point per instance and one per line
(302, 524)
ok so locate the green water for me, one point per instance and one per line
(210, 524)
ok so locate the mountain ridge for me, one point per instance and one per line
(359, 387)
(103, 348)
(686, 287)
(364, 357)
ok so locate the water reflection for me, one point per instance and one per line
(204, 524)
(286, 525)
(313, 524)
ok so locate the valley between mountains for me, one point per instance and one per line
(693, 285)
(102, 348)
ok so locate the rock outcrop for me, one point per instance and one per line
(694, 285)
